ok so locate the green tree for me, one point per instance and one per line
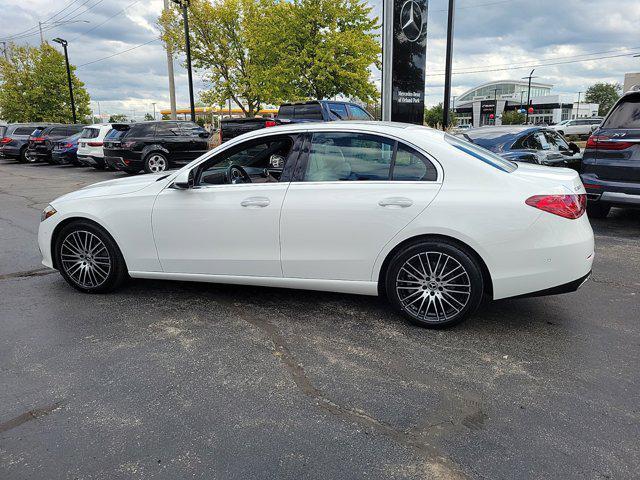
(118, 118)
(433, 116)
(512, 117)
(34, 87)
(148, 116)
(267, 51)
(605, 94)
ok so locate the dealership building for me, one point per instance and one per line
(485, 104)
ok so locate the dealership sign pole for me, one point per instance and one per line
(404, 56)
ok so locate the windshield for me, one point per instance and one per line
(481, 154)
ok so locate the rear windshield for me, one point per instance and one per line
(481, 154)
(90, 133)
(311, 111)
(115, 134)
(625, 114)
(36, 132)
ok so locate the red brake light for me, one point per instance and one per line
(5, 140)
(38, 139)
(270, 123)
(94, 144)
(68, 145)
(602, 142)
(567, 206)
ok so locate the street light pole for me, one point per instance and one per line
(154, 109)
(448, 66)
(66, 59)
(529, 93)
(578, 109)
(185, 17)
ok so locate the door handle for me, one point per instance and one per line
(400, 202)
(255, 202)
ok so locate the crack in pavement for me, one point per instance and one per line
(30, 415)
(38, 272)
(442, 466)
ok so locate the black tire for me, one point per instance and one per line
(156, 162)
(22, 158)
(70, 264)
(448, 303)
(598, 209)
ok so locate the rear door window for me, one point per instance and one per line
(146, 130)
(358, 113)
(167, 129)
(23, 130)
(191, 129)
(625, 114)
(411, 166)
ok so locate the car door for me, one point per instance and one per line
(222, 228)
(198, 140)
(352, 193)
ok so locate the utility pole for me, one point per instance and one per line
(495, 105)
(529, 93)
(4, 48)
(578, 109)
(448, 66)
(187, 42)
(41, 35)
(66, 59)
(172, 81)
(99, 113)
(154, 109)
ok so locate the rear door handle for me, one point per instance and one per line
(255, 202)
(397, 202)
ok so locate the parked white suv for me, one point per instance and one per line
(90, 152)
(578, 126)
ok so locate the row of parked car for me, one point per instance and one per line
(152, 146)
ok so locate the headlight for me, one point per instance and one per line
(47, 212)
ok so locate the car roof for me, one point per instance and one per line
(494, 131)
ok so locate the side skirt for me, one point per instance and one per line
(339, 286)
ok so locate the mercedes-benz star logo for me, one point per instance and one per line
(411, 20)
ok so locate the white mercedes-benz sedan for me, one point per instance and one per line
(431, 221)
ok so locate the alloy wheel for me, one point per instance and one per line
(433, 286)
(85, 259)
(157, 163)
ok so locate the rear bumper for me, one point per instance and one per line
(560, 289)
(91, 161)
(120, 163)
(9, 151)
(63, 158)
(613, 192)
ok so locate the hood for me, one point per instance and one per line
(120, 186)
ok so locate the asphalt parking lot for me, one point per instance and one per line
(176, 380)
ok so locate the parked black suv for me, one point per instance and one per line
(154, 146)
(611, 160)
(42, 141)
(15, 139)
(311, 111)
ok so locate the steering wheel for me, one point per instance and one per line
(237, 174)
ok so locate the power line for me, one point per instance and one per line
(109, 18)
(536, 65)
(474, 6)
(35, 27)
(118, 53)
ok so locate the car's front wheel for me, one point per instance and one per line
(155, 162)
(89, 259)
(434, 283)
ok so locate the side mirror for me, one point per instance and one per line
(184, 181)
(574, 148)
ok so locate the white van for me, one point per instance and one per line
(90, 152)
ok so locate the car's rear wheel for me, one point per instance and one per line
(155, 162)
(434, 283)
(30, 157)
(598, 209)
(89, 259)
(23, 155)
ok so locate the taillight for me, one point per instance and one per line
(94, 144)
(602, 142)
(38, 139)
(5, 140)
(68, 145)
(567, 206)
(270, 123)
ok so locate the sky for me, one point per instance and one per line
(494, 40)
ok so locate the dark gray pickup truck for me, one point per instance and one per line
(313, 111)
